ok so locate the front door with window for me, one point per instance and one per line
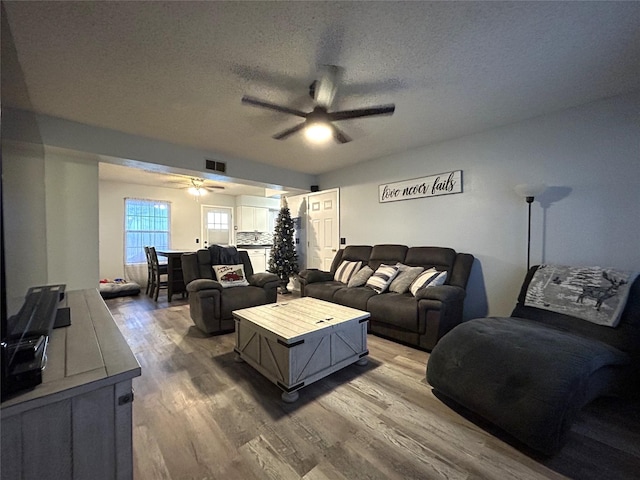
(216, 226)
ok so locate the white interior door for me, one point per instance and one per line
(216, 226)
(323, 231)
(298, 210)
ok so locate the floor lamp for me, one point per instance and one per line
(529, 192)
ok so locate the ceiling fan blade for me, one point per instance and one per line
(270, 106)
(362, 112)
(289, 131)
(339, 135)
(327, 85)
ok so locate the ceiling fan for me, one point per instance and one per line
(319, 121)
(199, 188)
(195, 186)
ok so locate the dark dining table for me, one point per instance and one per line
(175, 279)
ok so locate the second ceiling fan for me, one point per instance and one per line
(323, 91)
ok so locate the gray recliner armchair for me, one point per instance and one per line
(211, 305)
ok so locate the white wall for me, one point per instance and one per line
(590, 158)
(185, 219)
(50, 202)
(25, 234)
(71, 186)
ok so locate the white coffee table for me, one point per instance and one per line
(297, 342)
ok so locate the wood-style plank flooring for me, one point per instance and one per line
(198, 414)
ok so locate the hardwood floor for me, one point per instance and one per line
(200, 415)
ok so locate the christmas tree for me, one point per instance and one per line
(284, 260)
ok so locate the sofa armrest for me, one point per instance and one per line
(314, 275)
(263, 279)
(441, 293)
(203, 284)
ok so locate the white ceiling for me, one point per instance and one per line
(176, 71)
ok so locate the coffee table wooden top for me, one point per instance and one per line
(295, 319)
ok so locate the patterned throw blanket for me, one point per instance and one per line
(595, 294)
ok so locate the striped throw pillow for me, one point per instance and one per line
(428, 278)
(382, 277)
(346, 270)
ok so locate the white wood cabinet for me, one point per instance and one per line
(77, 423)
(258, 260)
(252, 219)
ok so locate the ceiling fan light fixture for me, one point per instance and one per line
(197, 189)
(318, 132)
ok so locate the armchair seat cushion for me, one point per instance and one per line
(236, 298)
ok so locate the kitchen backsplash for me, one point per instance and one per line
(254, 238)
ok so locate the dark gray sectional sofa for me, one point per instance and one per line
(419, 321)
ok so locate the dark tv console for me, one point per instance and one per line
(24, 346)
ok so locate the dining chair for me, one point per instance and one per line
(147, 254)
(157, 270)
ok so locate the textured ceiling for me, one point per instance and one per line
(176, 71)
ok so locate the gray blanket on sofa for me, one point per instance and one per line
(529, 379)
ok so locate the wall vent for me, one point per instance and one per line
(220, 167)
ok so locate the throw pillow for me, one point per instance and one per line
(382, 277)
(230, 275)
(346, 270)
(360, 278)
(405, 278)
(428, 278)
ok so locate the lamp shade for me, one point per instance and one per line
(530, 189)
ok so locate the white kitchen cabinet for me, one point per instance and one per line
(258, 259)
(252, 219)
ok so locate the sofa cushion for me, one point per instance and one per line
(352, 253)
(440, 258)
(388, 254)
(346, 270)
(382, 277)
(360, 278)
(400, 310)
(323, 290)
(428, 278)
(356, 297)
(405, 277)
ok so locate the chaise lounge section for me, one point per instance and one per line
(531, 373)
(418, 320)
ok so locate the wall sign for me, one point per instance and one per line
(441, 184)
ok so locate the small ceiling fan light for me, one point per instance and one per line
(318, 132)
(197, 191)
